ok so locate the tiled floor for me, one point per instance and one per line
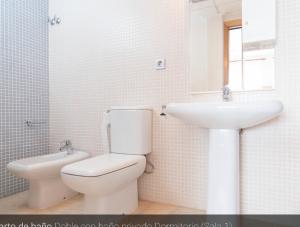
(16, 204)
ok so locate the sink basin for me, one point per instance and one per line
(224, 121)
(226, 115)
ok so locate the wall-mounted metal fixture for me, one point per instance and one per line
(163, 111)
(213, 1)
(54, 20)
(33, 123)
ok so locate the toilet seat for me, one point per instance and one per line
(102, 165)
(103, 174)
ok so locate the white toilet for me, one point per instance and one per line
(109, 181)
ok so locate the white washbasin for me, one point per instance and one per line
(225, 115)
(224, 121)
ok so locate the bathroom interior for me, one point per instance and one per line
(149, 106)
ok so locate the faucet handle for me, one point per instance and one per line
(226, 88)
(65, 143)
(68, 143)
(226, 93)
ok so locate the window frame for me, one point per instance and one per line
(228, 25)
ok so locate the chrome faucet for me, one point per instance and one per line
(226, 94)
(67, 146)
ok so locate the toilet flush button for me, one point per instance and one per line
(160, 64)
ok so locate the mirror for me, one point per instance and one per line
(231, 45)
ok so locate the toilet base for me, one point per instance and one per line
(47, 193)
(122, 201)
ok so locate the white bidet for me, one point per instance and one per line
(43, 172)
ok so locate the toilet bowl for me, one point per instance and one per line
(109, 181)
(46, 188)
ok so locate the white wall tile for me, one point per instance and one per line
(23, 86)
(103, 54)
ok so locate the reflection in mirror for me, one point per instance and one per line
(217, 54)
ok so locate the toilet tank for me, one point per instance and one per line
(131, 130)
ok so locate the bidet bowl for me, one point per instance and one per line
(45, 166)
(46, 188)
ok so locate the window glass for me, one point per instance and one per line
(235, 75)
(259, 69)
(249, 70)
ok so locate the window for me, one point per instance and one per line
(245, 70)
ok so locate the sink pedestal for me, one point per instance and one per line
(224, 121)
(223, 172)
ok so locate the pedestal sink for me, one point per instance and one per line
(224, 121)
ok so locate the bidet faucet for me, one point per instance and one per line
(226, 94)
(67, 146)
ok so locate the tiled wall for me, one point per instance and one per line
(23, 85)
(103, 54)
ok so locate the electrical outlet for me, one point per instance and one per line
(160, 64)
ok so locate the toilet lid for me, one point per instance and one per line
(101, 165)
